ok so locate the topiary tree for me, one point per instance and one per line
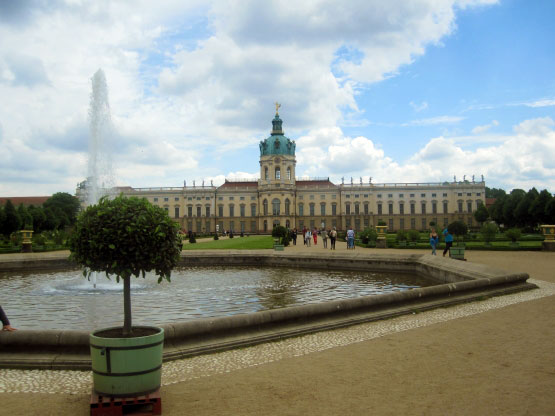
(126, 237)
(282, 233)
(513, 233)
(458, 228)
(414, 235)
(488, 231)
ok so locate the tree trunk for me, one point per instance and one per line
(127, 306)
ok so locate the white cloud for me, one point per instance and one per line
(419, 107)
(540, 103)
(522, 159)
(484, 128)
(432, 121)
(177, 96)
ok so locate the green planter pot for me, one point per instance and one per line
(457, 252)
(127, 367)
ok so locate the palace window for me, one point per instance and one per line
(242, 210)
(390, 208)
(232, 210)
(311, 209)
(288, 173)
(176, 212)
(253, 210)
(275, 206)
(265, 207)
(347, 209)
(220, 210)
(287, 206)
(323, 208)
(207, 210)
(333, 209)
(198, 211)
(278, 173)
(301, 210)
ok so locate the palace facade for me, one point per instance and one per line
(278, 198)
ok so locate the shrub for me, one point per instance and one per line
(126, 237)
(39, 239)
(216, 236)
(367, 235)
(414, 235)
(381, 223)
(401, 235)
(513, 234)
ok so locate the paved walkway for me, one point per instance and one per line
(490, 357)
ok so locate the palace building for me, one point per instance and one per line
(278, 198)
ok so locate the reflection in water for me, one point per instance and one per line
(66, 300)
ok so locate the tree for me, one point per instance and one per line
(496, 210)
(538, 208)
(488, 231)
(495, 193)
(12, 222)
(550, 212)
(509, 207)
(65, 202)
(458, 229)
(39, 218)
(126, 237)
(481, 214)
(522, 214)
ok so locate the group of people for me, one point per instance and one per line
(311, 236)
(434, 241)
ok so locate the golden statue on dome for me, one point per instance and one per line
(278, 105)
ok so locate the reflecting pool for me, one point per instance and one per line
(67, 300)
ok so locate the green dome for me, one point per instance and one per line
(277, 143)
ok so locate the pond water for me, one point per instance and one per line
(67, 300)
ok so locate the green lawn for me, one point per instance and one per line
(255, 242)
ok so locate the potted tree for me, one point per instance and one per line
(126, 237)
(459, 230)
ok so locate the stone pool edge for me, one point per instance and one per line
(460, 282)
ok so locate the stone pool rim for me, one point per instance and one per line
(458, 282)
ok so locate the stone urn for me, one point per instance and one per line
(548, 232)
(27, 243)
(381, 241)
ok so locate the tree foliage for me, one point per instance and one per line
(481, 214)
(62, 202)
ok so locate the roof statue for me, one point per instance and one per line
(278, 105)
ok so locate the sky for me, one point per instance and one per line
(397, 91)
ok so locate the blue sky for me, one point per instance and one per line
(400, 91)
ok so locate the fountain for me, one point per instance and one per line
(100, 178)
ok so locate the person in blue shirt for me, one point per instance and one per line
(448, 242)
(350, 238)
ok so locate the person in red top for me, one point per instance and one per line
(315, 236)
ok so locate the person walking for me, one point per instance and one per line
(325, 238)
(5, 321)
(294, 236)
(307, 237)
(315, 236)
(448, 241)
(304, 236)
(434, 239)
(333, 237)
(350, 238)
